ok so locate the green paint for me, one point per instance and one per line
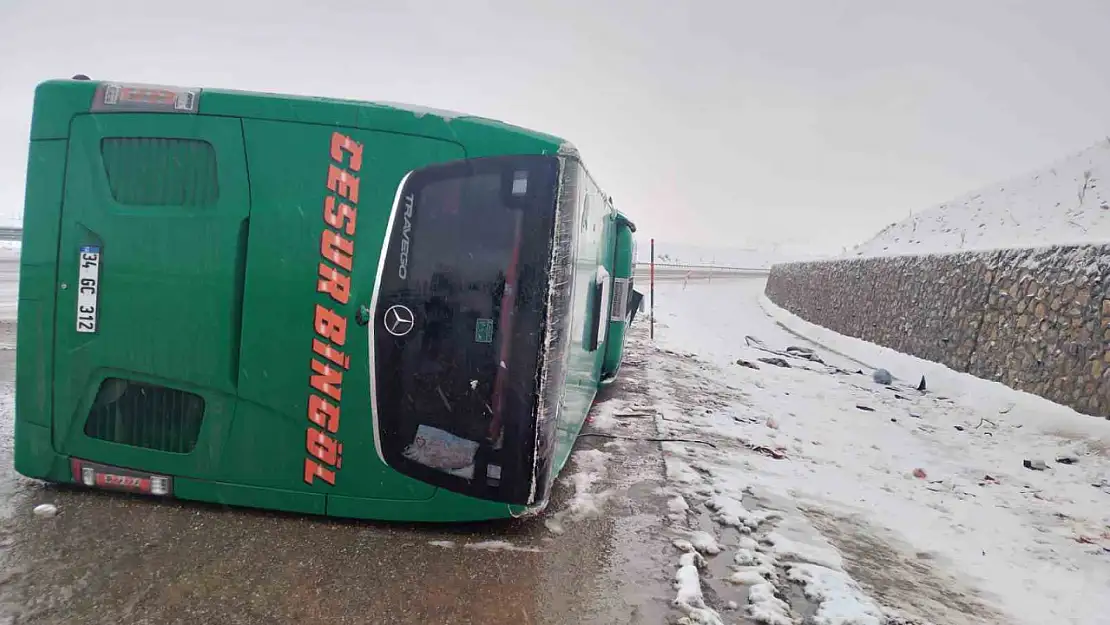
(208, 281)
(623, 266)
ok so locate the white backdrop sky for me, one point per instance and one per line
(804, 123)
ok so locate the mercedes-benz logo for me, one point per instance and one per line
(399, 320)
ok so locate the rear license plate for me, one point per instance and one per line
(116, 478)
(88, 289)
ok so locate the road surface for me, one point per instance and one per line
(712, 487)
(115, 559)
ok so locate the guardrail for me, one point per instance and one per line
(643, 264)
(8, 233)
(672, 271)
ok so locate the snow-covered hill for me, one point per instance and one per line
(1065, 203)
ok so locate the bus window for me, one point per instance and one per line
(456, 350)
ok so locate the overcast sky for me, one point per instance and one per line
(805, 123)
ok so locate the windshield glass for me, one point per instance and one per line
(458, 328)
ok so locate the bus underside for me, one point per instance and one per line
(296, 315)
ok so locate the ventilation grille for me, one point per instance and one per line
(152, 171)
(620, 299)
(145, 415)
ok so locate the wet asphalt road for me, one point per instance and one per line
(116, 559)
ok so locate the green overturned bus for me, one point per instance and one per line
(322, 306)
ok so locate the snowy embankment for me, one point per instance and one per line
(1065, 203)
(807, 492)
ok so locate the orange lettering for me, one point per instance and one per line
(337, 249)
(341, 143)
(327, 351)
(342, 218)
(327, 380)
(324, 447)
(330, 325)
(342, 182)
(335, 284)
(323, 413)
(313, 470)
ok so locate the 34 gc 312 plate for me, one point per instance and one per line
(88, 289)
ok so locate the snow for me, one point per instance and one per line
(689, 597)
(805, 489)
(485, 545)
(421, 111)
(45, 510)
(1064, 203)
(840, 599)
(589, 470)
(766, 607)
(704, 542)
(499, 545)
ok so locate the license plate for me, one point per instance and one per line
(88, 289)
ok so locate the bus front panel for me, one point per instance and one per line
(458, 331)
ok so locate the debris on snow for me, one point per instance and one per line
(778, 453)
(1036, 465)
(45, 510)
(778, 362)
(804, 353)
(882, 376)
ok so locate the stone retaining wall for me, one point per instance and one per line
(1037, 320)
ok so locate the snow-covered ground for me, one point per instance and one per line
(1067, 202)
(812, 494)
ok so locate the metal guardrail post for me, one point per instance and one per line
(652, 315)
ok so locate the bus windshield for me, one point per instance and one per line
(456, 347)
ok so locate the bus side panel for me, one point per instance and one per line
(34, 452)
(322, 198)
(584, 365)
(618, 323)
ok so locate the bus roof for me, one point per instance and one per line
(57, 101)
